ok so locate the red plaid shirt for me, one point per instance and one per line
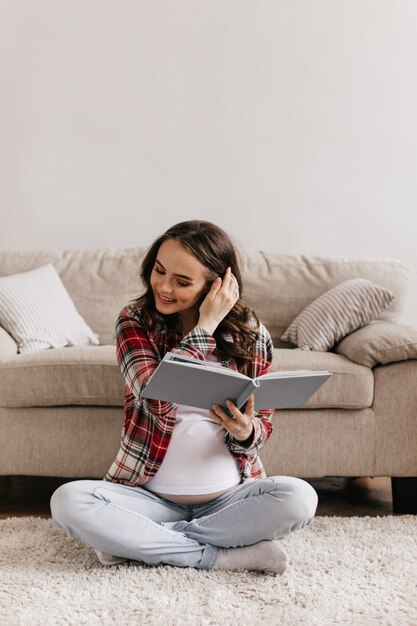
(148, 424)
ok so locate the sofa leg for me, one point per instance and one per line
(404, 494)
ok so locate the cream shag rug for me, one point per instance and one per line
(356, 571)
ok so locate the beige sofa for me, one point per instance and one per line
(61, 409)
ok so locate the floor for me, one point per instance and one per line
(344, 497)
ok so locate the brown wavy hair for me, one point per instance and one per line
(215, 250)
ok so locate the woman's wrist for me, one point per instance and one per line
(207, 325)
(246, 440)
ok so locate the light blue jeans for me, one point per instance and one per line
(134, 523)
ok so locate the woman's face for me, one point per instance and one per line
(178, 280)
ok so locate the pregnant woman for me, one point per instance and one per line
(187, 487)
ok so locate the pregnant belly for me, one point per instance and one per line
(191, 499)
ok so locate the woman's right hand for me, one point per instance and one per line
(221, 299)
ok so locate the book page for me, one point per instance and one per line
(210, 367)
(292, 373)
(183, 358)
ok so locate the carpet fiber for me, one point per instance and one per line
(356, 571)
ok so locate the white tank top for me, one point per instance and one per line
(197, 460)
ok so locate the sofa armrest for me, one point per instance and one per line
(379, 343)
(8, 346)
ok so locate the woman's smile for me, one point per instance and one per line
(165, 300)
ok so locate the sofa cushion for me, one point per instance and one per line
(380, 342)
(91, 376)
(350, 387)
(85, 375)
(336, 313)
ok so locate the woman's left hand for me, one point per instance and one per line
(240, 426)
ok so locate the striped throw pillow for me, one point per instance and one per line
(37, 311)
(336, 313)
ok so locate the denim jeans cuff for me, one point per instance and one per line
(209, 557)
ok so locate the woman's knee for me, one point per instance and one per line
(300, 499)
(66, 500)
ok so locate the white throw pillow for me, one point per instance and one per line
(37, 311)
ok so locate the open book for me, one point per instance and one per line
(192, 382)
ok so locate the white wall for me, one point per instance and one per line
(292, 124)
